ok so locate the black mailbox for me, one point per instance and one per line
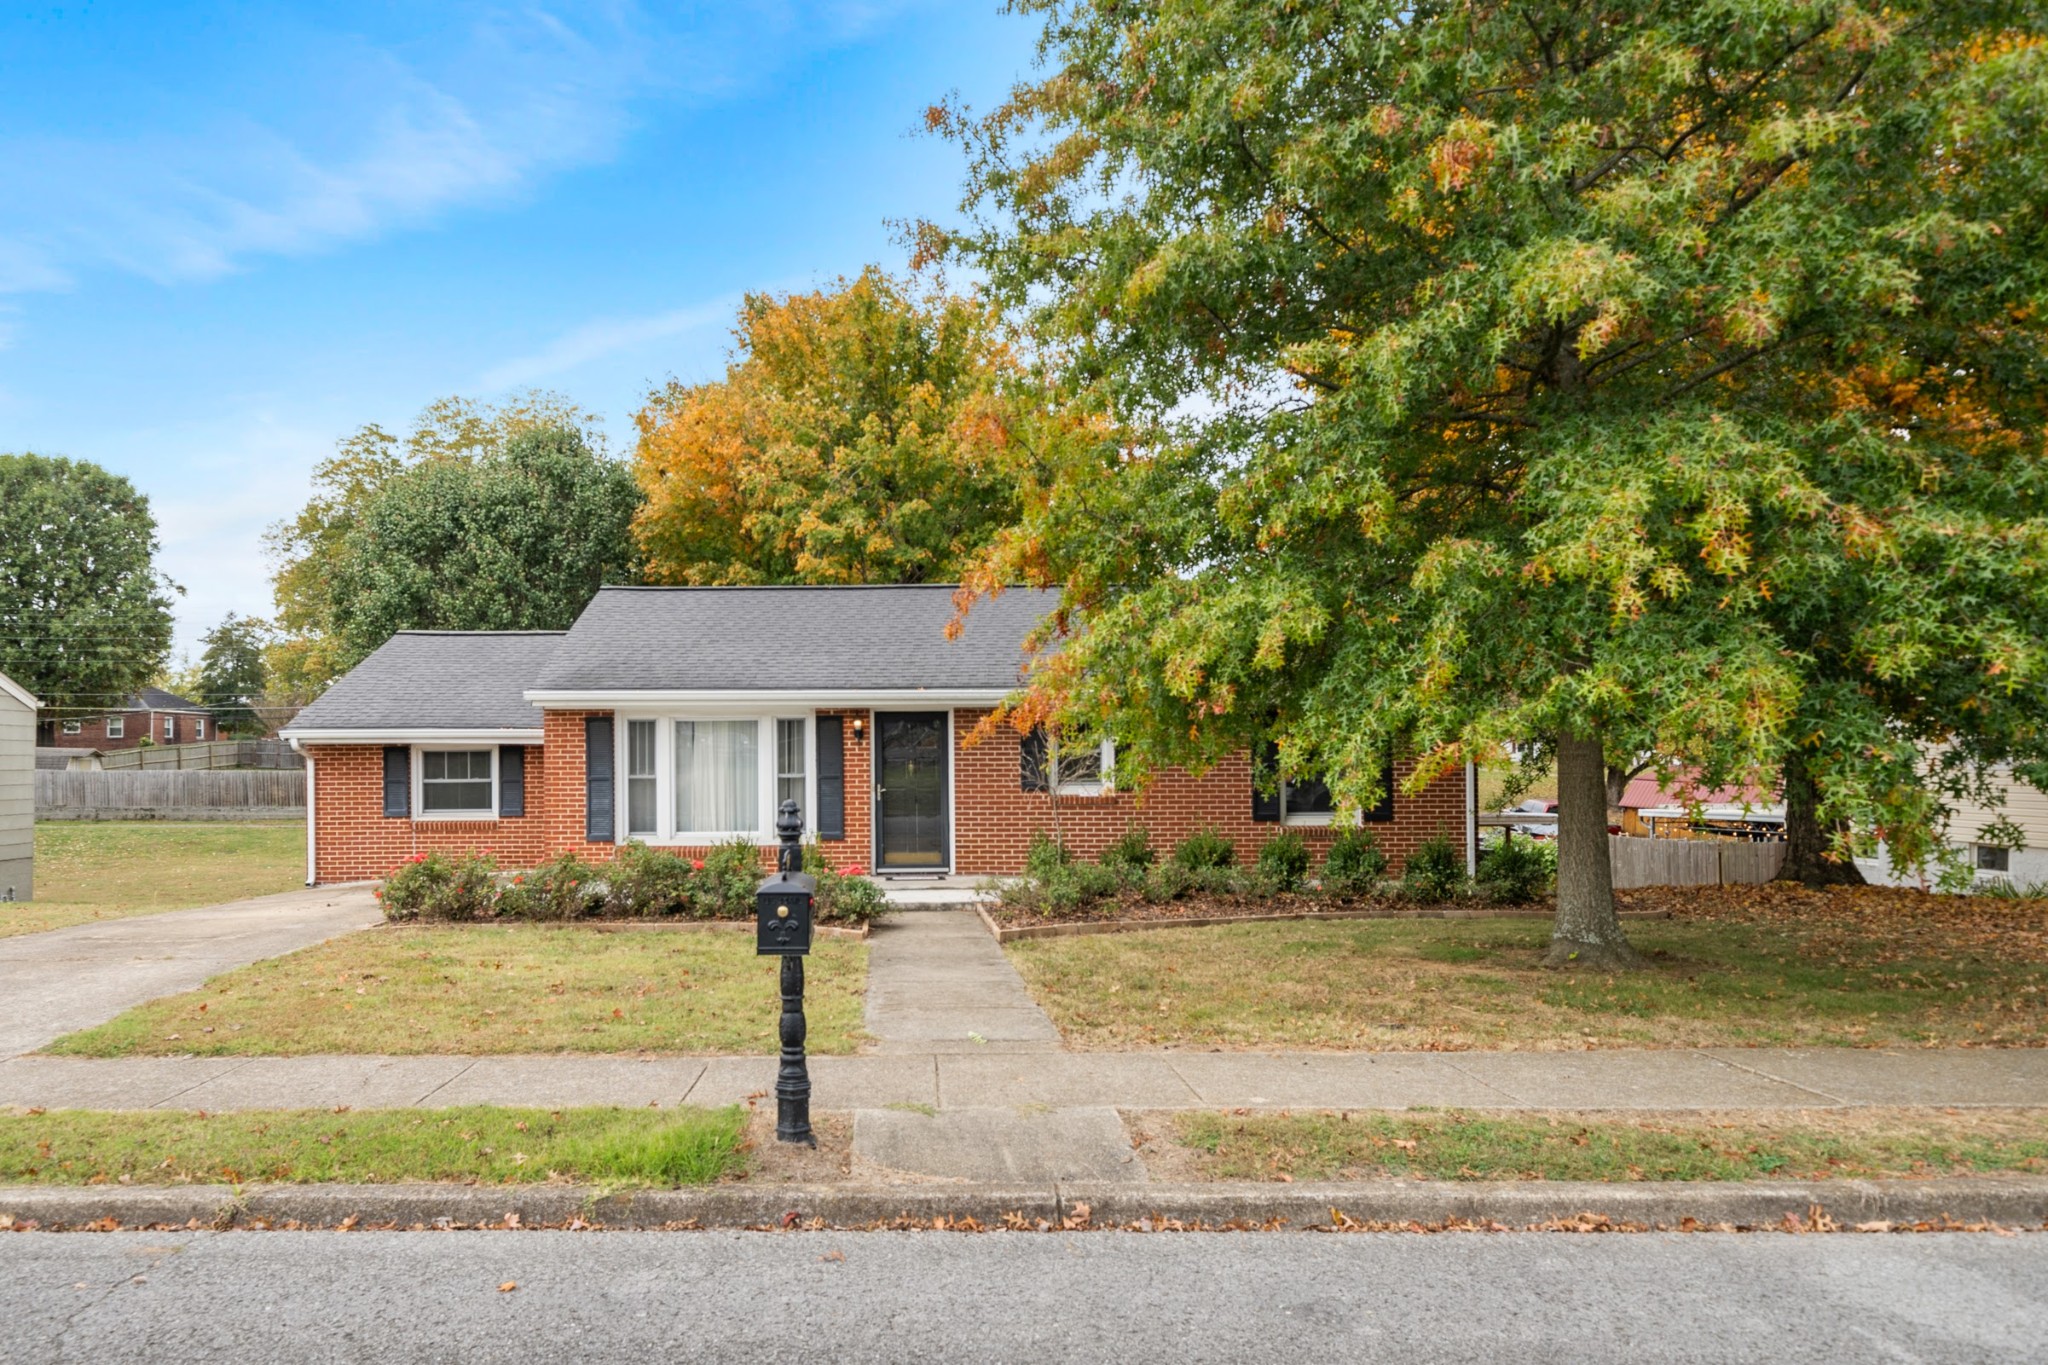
(782, 914)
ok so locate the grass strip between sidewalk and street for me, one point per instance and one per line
(603, 1146)
(1461, 1145)
(1732, 967)
(493, 989)
(90, 870)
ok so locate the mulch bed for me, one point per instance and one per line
(1902, 917)
(620, 926)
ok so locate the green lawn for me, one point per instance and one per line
(1463, 1146)
(686, 1146)
(96, 869)
(473, 989)
(1773, 969)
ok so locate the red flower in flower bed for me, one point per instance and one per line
(696, 864)
(850, 870)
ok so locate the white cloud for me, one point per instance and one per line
(358, 140)
(604, 338)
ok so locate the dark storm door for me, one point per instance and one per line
(910, 791)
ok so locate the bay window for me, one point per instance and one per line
(700, 779)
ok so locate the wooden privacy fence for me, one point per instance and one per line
(1692, 862)
(243, 795)
(218, 753)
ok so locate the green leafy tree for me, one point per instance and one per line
(85, 617)
(1661, 378)
(516, 539)
(307, 652)
(232, 676)
(868, 433)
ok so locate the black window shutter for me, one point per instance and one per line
(1032, 763)
(1265, 769)
(831, 777)
(511, 780)
(1383, 812)
(597, 779)
(397, 781)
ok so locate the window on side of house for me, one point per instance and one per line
(74, 727)
(458, 782)
(117, 727)
(790, 765)
(170, 729)
(643, 806)
(1306, 801)
(199, 727)
(1992, 858)
(717, 768)
(1083, 770)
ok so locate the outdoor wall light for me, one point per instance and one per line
(860, 726)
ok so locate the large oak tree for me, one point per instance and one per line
(1662, 377)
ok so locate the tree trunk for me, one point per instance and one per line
(1588, 932)
(1808, 844)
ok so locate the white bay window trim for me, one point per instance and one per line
(419, 782)
(664, 830)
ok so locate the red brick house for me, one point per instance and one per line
(684, 716)
(154, 714)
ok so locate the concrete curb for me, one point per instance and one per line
(1011, 933)
(1806, 1206)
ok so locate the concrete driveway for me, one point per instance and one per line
(68, 979)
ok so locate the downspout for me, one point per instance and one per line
(312, 866)
(1471, 819)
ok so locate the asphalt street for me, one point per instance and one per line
(437, 1296)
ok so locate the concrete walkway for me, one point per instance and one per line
(938, 983)
(1732, 1078)
(58, 982)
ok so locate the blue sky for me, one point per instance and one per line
(232, 234)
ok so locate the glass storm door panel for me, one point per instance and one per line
(910, 791)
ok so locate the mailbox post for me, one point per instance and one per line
(782, 908)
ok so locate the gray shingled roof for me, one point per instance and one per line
(156, 699)
(437, 680)
(792, 638)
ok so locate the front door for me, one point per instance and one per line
(910, 791)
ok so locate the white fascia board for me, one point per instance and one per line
(298, 737)
(767, 699)
(19, 693)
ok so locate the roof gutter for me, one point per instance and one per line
(443, 735)
(761, 696)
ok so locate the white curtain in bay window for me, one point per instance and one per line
(718, 774)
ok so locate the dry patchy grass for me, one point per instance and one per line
(1733, 966)
(1814, 1145)
(480, 989)
(90, 870)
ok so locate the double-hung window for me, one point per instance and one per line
(74, 727)
(458, 782)
(199, 727)
(170, 729)
(643, 809)
(789, 765)
(717, 776)
(117, 727)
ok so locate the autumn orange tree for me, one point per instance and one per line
(1613, 379)
(874, 432)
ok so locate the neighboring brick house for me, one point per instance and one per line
(161, 717)
(684, 716)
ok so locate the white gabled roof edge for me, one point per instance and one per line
(890, 696)
(443, 736)
(19, 693)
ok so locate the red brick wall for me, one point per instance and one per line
(994, 818)
(354, 841)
